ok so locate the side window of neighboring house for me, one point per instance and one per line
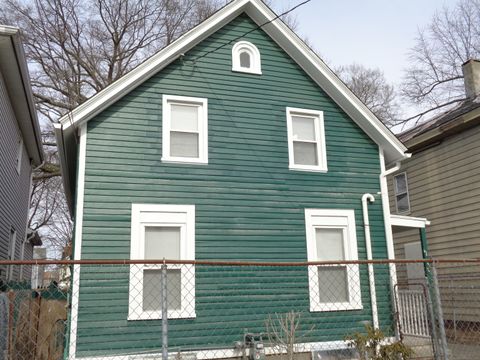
(246, 58)
(306, 140)
(18, 159)
(162, 232)
(402, 199)
(185, 129)
(11, 251)
(331, 236)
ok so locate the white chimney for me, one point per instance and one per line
(471, 75)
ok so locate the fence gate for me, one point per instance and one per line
(413, 320)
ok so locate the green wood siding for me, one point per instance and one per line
(249, 205)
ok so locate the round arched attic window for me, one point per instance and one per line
(246, 58)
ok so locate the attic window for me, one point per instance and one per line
(246, 58)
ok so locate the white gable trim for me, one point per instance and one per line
(284, 37)
(151, 66)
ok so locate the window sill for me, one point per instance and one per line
(329, 307)
(247, 71)
(156, 315)
(308, 168)
(188, 161)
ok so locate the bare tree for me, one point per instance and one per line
(373, 90)
(49, 214)
(433, 80)
(75, 48)
(284, 333)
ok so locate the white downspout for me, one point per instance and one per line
(386, 213)
(368, 244)
(388, 226)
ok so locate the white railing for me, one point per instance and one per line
(413, 313)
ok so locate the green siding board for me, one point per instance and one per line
(249, 206)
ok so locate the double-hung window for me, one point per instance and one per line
(306, 140)
(331, 236)
(162, 232)
(401, 193)
(185, 129)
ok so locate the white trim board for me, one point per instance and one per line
(223, 353)
(408, 221)
(77, 254)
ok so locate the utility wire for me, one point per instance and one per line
(250, 31)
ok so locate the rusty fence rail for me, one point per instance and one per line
(165, 309)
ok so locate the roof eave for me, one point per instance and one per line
(17, 72)
(461, 123)
(65, 163)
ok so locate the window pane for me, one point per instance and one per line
(333, 284)
(152, 290)
(401, 183)
(244, 59)
(162, 242)
(402, 203)
(329, 244)
(184, 117)
(303, 128)
(305, 153)
(184, 144)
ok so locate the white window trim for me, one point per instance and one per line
(19, 157)
(162, 215)
(331, 218)
(255, 60)
(319, 139)
(397, 194)
(202, 129)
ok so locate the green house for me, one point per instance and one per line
(235, 143)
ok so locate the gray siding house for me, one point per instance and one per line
(20, 152)
(441, 181)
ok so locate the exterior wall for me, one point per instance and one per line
(249, 205)
(14, 187)
(444, 187)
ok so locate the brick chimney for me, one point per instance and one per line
(471, 75)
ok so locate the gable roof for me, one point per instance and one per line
(278, 31)
(463, 116)
(13, 67)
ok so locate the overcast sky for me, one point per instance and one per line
(374, 33)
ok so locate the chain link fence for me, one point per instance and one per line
(220, 310)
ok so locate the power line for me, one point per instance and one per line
(250, 31)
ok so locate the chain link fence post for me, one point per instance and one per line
(164, 312)
(439, 312)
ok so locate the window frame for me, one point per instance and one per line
(255, 59)
(317, 115)
(157, 215)
(333, 219)
(202, 103)
(397, 194)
